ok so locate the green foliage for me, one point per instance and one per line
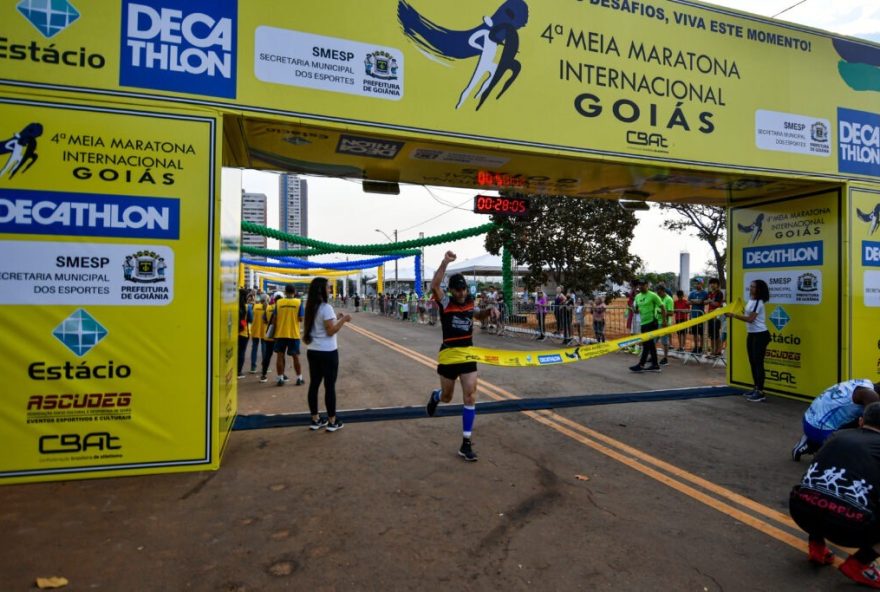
(581, 243)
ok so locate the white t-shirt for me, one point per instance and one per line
(759, 325)
(320, 340)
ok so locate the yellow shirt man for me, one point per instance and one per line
(286, 315)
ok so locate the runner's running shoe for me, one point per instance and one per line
(317, 425)
(801, 448)
(466, 451)
(336, 425)
(431, 407)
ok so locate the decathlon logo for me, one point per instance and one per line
(859, 142)
(791, 255)
(49, 17)
(550, 359)
(779, 318)
(82, 214)
(168, 46)
(870, 254)
(80, 332)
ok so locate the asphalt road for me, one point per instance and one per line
(683, 495)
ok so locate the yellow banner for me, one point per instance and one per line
(792, 245)
(659, 81)
(302, 272)
(108, 276)
(863, 220)
(545, 357)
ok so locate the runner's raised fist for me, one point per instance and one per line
(450, 257)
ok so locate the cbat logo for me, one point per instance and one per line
(22, 150)
(779, 318)
(859, 141)
(755, 228)
(180, 46)
(80, 332)
(872, 217)
(498, 31)
(49, 17)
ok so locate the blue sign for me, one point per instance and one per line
(550, 359)
(180, 46)
(870, 254)
(80, 332)
(49, 17)
(779, 318)
(858, 142)
(789, 255)
(86, 214)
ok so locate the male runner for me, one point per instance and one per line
(457, 322)
(839, 407)
(837, 499)
(286, 316)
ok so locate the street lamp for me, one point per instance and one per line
(396, 286)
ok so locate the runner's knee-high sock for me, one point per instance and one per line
(468, 414)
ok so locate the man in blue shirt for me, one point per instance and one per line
(697, 299)
(838, 407)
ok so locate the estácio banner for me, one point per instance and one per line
(106, 235)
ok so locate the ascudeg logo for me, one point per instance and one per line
(180, 46)
(859, 139)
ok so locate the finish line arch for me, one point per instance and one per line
(116, 118)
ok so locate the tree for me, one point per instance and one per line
(708, 223)
(668, 279)
(581, 243)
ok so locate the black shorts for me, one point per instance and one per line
(841, 522)
(697, 329)
(714, 328)
(453, 371)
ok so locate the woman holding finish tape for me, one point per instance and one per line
(758, 336)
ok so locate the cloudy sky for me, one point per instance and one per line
(431, 211)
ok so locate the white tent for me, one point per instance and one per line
(482, 266)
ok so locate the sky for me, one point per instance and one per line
(428, 210)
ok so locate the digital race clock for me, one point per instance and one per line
(503, 206)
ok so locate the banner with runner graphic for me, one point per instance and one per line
(793, 245)
(863, 222)
(107, 229)
(546, 357)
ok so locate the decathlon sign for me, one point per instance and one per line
(870, 254)
(790, 255)
(180, 46)
(83, 214)
(859, 141)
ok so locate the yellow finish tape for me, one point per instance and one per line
(568, 355)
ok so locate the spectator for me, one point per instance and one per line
(758, 336)
(244, 322)
(597, 309)
(541, 314)
(632, 312)
(682, 306)
(286, 316)
(267, 343)
(714, 301)
(579, 317)
(320, 328)
(697, 300)
(648, 304)
(666, 319)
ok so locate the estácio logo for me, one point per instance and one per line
(180, 46)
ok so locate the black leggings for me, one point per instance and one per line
(323, 366)
(756, 345)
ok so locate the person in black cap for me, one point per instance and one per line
(457, 322)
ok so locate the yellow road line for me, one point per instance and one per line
(640, 462)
